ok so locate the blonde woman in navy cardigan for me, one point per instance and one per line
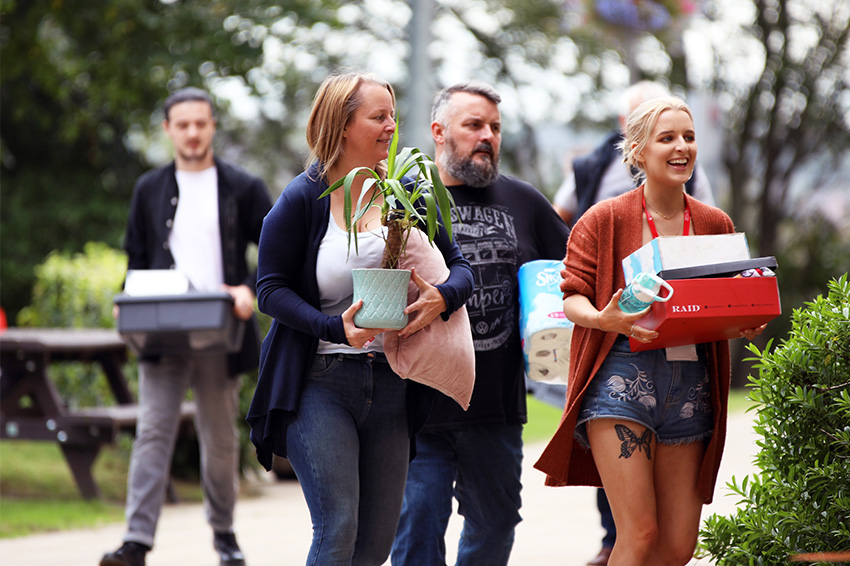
(327, 398)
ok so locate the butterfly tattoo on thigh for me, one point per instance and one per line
(631, 442)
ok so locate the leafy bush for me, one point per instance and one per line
(76, 291)
(800, 502)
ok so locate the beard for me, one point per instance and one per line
(468, 171)
(195, 155)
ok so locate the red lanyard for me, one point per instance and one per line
(685, 230)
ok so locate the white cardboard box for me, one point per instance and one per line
(669, 252)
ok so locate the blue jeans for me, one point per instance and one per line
(606, 518)
(349, 446)
(480, 466)
(672, 399)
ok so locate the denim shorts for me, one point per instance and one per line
(672, 399)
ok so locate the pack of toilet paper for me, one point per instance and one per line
(546, 332)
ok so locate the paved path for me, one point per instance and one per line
(560, 527)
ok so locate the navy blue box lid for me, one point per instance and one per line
(726, 269)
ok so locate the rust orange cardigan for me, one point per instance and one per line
(603, 236)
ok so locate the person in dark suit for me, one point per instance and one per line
(602, 174)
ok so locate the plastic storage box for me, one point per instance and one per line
(193, 322)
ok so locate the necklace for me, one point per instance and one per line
(652, 228)
(662, 215)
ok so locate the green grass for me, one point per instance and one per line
(739, 401)
(38, 493)
(543, 420)
(20, 517)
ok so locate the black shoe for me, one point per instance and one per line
(130, 554)
(228, 549)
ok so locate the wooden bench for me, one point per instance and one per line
(31, 408)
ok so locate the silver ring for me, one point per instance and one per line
(632, 331)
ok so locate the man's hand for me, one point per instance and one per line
(243, 300)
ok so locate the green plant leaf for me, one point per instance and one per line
(412, 184)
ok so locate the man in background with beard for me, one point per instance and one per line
(196, 215)
(476, 456)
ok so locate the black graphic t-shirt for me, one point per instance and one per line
(498, 228)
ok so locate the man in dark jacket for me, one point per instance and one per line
(601, 174)
(195, 215)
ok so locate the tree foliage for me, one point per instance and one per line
(81, 81)
(800, 500)
(789, 110)
(77, 77)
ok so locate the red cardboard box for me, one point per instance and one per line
(707, 310)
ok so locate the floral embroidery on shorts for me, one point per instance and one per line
(639, 388)
(699, 400)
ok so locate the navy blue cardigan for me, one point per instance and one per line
(288, 291)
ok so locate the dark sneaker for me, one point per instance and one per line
(130, 554)
(228, 550)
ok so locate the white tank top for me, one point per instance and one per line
(333, 273)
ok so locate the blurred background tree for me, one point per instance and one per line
(780, 72)
(77, 78)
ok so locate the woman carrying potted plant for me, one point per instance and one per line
(326, 398)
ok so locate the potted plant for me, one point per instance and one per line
(411, 195)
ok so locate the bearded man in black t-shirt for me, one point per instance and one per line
(476, 456)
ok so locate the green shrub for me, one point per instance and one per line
(76, 291)
(800, 501)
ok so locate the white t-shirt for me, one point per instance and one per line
(195, 238)
(333, 273)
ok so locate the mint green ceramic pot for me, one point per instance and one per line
(384, 294)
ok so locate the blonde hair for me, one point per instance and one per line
(640, 124)
(335, 102)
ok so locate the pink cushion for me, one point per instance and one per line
(441, 355)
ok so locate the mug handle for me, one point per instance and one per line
(669, 296)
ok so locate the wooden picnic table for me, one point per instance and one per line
(32, 409)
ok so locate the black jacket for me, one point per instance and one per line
(243, 203)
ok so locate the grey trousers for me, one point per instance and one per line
(162, 387)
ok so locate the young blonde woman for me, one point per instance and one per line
(327, 399)
(650, 426)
